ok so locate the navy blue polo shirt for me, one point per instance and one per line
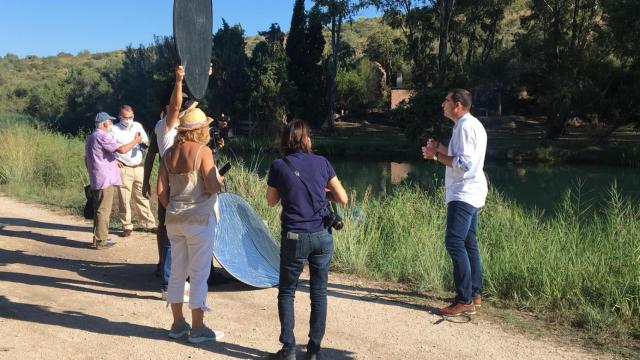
(299, 213)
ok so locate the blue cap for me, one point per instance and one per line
(102, 117)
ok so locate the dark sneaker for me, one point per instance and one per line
(477, 300)
(311, 356)
(457, 309)
(153, 230)
(205, 334)
(103, 245)
(283, 355)
(179, 330)
(126, 233)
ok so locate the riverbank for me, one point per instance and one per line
(513, 139)
(571, 269)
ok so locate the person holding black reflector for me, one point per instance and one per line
(303, 183)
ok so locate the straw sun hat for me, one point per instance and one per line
(192, 119)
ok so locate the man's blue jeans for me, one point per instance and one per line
(165, 247)
(317, 248)
(462, 246)
(166, 263)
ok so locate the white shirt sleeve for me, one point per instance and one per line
(464, 150)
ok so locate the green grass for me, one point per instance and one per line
(576, 268)
(38, 164)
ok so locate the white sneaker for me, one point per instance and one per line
(178, 331)
(205, 334)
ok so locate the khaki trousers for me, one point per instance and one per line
(130, 195)
(102, 202)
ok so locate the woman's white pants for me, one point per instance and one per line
(191, 255)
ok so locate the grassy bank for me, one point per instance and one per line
(38, 164)
(572, 268)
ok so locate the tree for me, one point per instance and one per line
(620, 99)
(359, 88)
(387, 49)
(89, 93)
(296, 47)
(47, 100)
(304, 48)
(417, 20)
(336, 12)
(448, 44)
(268, 67)
(145, 79)
(229, 85)
(563, 62)
(445, 9)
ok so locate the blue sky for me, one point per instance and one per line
(47, 27)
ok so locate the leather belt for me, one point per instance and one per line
(130, 166)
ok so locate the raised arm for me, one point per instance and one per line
(176, 99)
(126, 147)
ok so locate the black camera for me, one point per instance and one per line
(333, 220)
(425, 136)
(219, 131)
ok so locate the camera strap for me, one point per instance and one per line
(295, 172)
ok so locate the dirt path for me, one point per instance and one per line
(61, 300)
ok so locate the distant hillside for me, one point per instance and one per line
(18, 76)
(355, 33)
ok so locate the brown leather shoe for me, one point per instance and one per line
(456, 309)
(283, 355)
(477, 300)
(126, 233)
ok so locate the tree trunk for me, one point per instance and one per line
(446, 9)
(336, 24)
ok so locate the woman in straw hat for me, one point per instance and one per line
(189, 171)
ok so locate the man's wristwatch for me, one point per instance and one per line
(435, 156)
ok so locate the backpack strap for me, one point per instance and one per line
(295, 172)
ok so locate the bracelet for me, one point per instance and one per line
(435, 156)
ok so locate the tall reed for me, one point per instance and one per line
(579, 267)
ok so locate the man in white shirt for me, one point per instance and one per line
(132, 173)
(466, 192)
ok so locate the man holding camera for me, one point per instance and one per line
(100, 148)
(466, 192)
(219, 131)
(132, 173)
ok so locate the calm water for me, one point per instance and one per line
(533, 186)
